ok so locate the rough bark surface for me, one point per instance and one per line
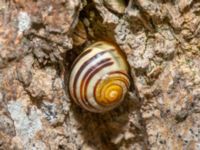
(39, 41)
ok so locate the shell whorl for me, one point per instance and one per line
(99, 79)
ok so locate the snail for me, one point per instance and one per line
(118, 6)
(99, 77)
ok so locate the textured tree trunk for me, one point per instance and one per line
(39, 39)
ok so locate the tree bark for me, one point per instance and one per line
(39, 41)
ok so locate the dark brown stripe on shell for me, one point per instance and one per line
(93, 70)
(90, 76)
(80, 56)
(123, 73)
(82, 67)
(74, 63)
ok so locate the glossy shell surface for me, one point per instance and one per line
(99, 78)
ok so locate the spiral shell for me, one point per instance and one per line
(99, 79)
(115, 5)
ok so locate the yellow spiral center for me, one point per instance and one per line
(113, 93)
(109, 91)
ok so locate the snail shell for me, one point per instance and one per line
(116, 5)
(79, 35)
(99, 79)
